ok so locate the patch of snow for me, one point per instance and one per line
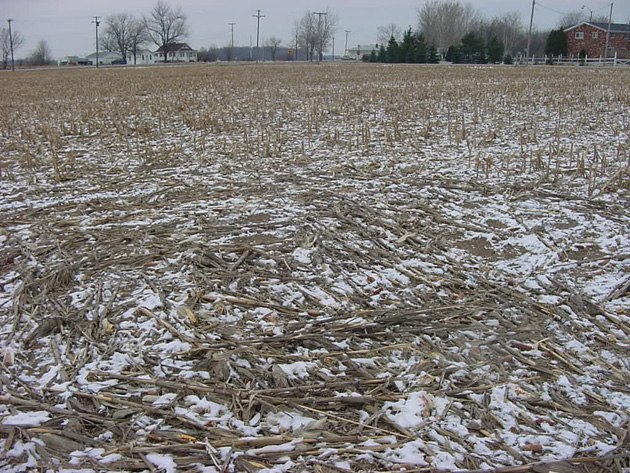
(27, 419)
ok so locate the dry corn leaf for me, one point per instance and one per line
(185, 311)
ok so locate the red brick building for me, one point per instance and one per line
(591, 37)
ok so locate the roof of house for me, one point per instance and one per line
(176, 47)
(614, 27)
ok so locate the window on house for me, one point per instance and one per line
(579, 35)
(595, 34)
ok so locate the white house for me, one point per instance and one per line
(177, 52)
(144, 56)
(104, 57)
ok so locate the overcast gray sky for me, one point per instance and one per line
(66, 24)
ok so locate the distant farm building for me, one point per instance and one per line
(74, 61)
(105, 57)
(177, 52)
(358, 52)
(591, 38)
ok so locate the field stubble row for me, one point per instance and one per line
(304, 267)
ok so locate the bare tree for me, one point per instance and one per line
(315, 31)
(444, 22)
(41, 56)
(384, 33)
(121, 31)
(307, 34)
(5, 44)
(507, 28)
(273, 43)
(326, 29)
(138, 35)
(572, 18)
(165, 26)
(578, 16)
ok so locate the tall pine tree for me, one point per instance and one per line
(382, 54)
(495, 50)
(393, 51)
(434, 57)
(420, 49)
(556, 43)
(407, 47)
(472, 48)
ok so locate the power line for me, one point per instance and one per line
(96, 22)
(552, 9)
(320, 34)
(529, 34)
(258, 16)
(232, 43)
(608, 32)
(11, 44)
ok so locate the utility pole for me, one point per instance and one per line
(346, 50)
(96, 22)
(232, 43)
(11, 45)
(320, 34)
(608, 33)
(529, 35)
(590, 20)
(258, 17)
(296, 45)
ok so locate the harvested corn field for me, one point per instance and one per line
(325, 268)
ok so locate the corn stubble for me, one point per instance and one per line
(308, 241)
(566, 127)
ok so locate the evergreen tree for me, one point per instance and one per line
(495, 50)
(373, 56)
(481, 57)
(450, 53)
(410, 48)
(434, 57)
(556, 43)
(471, 48)
(407, 47)
(382, 54)
(508, 59)
(456, 56)
(420, 49)
(393, 51)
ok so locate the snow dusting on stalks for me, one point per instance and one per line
(315, 268)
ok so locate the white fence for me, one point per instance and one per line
(576, 61)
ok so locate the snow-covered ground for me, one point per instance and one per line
(324, 268)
